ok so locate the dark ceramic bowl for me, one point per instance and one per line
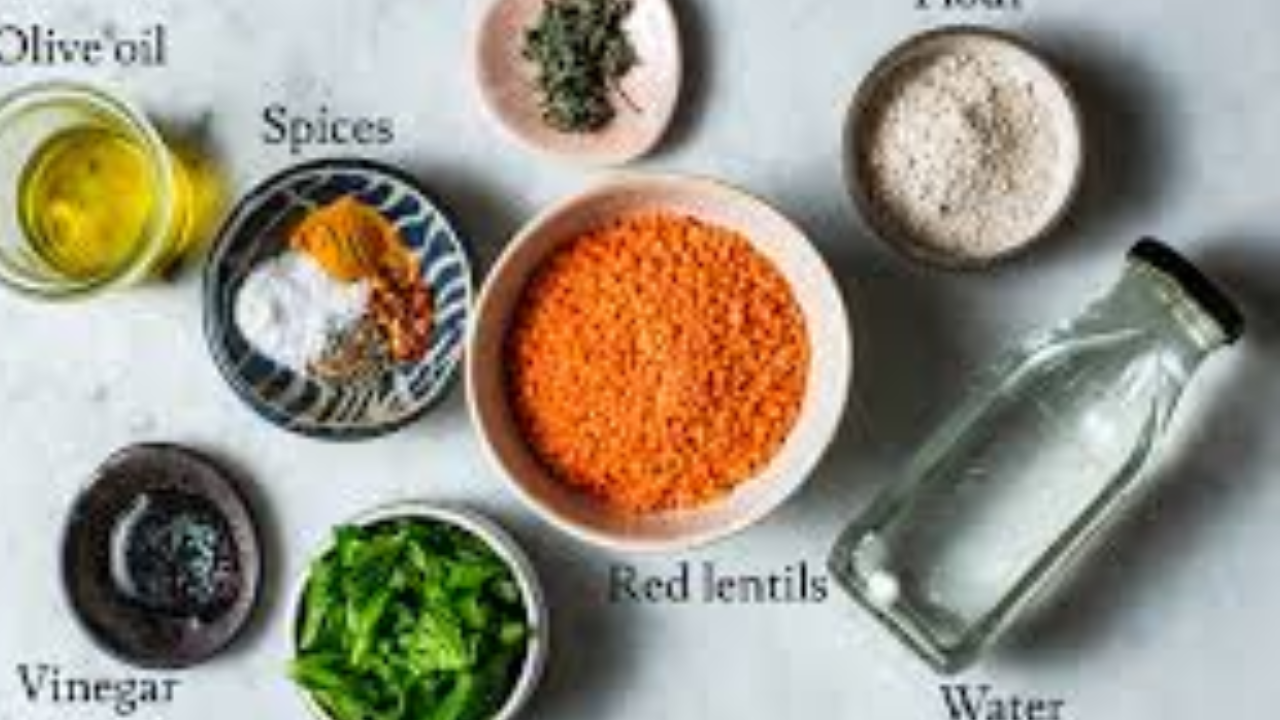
(258, 230)
(131, 484)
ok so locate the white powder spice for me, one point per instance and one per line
(962, 152)
(293, 312)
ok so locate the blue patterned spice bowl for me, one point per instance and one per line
(370, 404)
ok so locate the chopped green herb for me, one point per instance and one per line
(410, 619)
(581, 51)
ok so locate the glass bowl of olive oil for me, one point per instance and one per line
(91, 197)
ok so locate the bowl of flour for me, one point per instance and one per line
(963, 146)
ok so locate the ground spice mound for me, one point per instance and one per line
(657, 363)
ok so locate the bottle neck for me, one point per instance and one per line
(1148, 303)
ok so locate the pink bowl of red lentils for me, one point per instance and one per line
(658, 362)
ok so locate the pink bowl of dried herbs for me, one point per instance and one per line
(595, 81)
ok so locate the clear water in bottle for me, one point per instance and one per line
(1034, 464)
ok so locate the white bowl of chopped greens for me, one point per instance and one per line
(418, 611)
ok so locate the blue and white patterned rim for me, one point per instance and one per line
(258, 229)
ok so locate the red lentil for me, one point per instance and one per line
(657, 363)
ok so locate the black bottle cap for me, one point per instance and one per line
(1204, 291)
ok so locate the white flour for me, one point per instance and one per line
(293, 312)
(963, 154)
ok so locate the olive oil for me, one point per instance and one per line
(86, 197)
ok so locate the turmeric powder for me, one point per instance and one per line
(657, 363)
(352, 242)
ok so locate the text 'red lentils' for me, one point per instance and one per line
(657, 362)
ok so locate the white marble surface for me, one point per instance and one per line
(1175, 620)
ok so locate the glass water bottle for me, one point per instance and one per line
(1031, 468)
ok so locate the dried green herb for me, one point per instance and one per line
(581, 50)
